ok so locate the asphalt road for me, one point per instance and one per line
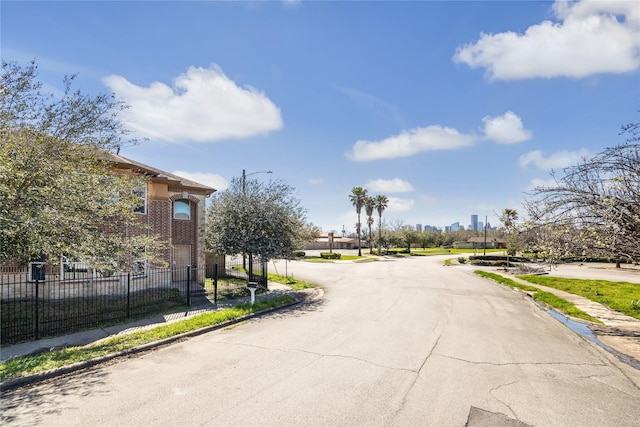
(404, 342)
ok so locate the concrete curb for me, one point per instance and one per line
(41, 376)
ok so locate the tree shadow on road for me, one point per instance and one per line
(27, 405)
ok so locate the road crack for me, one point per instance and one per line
(331, 355)
(403, 402)
(496, 388)
(477, 362)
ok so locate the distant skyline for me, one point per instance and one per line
(448, 108)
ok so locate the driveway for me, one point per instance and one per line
(401, 342)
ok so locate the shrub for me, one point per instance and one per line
(462, 259)
(299, 254)
(330, 255)
(397, 251)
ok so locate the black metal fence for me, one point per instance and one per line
(230, 281)
(35, 306)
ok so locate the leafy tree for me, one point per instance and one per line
(428, 239)
(263, 219)
(381, 204)
(369, 206)
(357, 197)
(408, 234)
(59, 194)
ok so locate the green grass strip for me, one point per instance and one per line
(547, 298)
(27, 365)
(623, 297)
(295, 284)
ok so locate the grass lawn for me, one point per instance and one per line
(295, 284)
(544, 297)
(623, 297)
(27, 365)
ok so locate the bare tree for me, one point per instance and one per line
(509, 218)
(597, 202)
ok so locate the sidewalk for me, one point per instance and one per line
(91, 336)
(618, 331)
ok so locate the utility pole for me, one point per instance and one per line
(244, 193)
(485, 235)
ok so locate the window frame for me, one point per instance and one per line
(188, 202)
(141, 193)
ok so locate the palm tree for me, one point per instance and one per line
(357, 197)
(381, 204)
(369, 206)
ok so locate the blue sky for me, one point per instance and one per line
(448, 108)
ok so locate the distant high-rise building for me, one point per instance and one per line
(474, 222)
(419, 227)
(480, 226)
(455, 226)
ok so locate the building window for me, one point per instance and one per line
(139, 267)
(141, 193)
(74, 269)
(181, 209)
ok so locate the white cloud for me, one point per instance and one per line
(589, 37)
(411, 142)
(541, 183)
(211, 179)
(505, 129)
(557, 160)
(395, 185)
(397, 204)
(203, 105)
(316, 181)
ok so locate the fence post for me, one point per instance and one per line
(37, 311)
(215, 283)
(129, 294)
(264, 274)
(188, 285)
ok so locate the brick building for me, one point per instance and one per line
(174, 208)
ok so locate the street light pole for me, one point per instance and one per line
(244, 179)
(485, 236)
(244, 193)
